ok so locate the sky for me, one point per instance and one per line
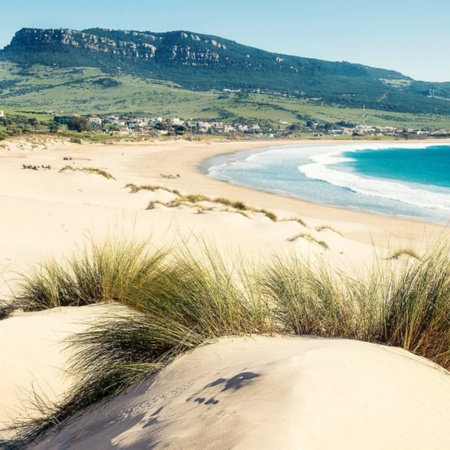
(409, 36)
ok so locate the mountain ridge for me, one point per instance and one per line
(203, 62)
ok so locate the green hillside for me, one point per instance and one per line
(202, 63)
(92, 91)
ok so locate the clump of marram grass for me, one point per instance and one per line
(94, 170)
(99, 273)
(309, 238)
(295, 219)
(195, 199)
(233, 204)
(406, 306)
(6, 309)
(272, 216)
(417, 307)
(327, 227)
(406, 251)
(151, 205)
(314, 300)
(152, 188)
(241, 206)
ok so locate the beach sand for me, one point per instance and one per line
(272, 393)
(51, 214)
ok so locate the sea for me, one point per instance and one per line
(401, 180)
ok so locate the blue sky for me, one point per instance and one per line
(410, 36)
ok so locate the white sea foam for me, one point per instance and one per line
(411, 194)
(321, 163)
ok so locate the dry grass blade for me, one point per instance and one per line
(94, 170)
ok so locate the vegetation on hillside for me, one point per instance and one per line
(203, 63)
(55, 106)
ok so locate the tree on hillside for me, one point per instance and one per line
(34, 122)
(78, 124)
(53, 127)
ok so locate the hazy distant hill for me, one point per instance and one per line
(201, 62)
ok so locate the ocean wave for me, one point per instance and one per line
(410, 194)
(219, 173)
(322, 179)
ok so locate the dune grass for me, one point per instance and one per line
(195, 199)
(405, 251)
(310, 238)
(149, 187)
(6, 309)
(295, 219)
(405, 304)
(417, 309)
(328, 227)
(94, 170)
(175, 300)
(97, 274)
(316, 300)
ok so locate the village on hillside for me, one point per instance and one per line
(133, 125)
(124, 125)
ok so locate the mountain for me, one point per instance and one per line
(201, 62)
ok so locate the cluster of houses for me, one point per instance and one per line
(143, 125)
(362, 130)
(124, 125)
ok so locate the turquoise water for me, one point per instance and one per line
(401, 180)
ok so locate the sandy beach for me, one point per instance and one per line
(49, 213)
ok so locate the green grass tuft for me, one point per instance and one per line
(417, 308)
(174, 304)
(100, 273)
(195, 199)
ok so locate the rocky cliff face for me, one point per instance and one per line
(185, 47)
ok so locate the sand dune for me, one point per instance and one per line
(270, 393)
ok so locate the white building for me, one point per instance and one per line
(203, 127)
(95, 121)
(2, 114)
(175, 121)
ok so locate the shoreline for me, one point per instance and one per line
(383, 226)
(203, 169)
(144, 163)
